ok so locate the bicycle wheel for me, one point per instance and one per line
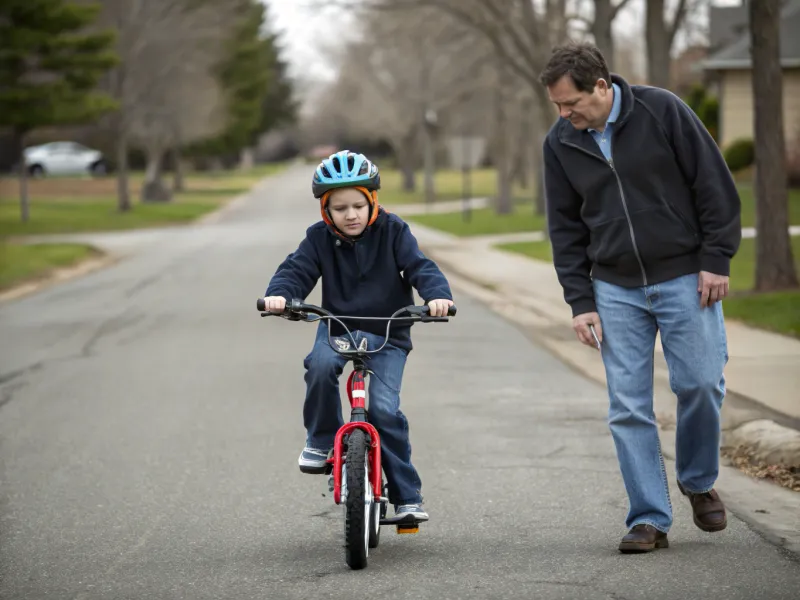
(359, 501)
(377, 513)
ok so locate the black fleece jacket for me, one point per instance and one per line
(666, 204)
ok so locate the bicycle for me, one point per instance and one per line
(355, 467)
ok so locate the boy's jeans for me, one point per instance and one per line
(695, 348)
(322, 412)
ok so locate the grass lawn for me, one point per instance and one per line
(79, 204)
(747, 196)
(484, 221)
(20, 263)
(449, 188)
(447, 183)
(776, 311)
(538, 250)
(78, 214)
(76, 204)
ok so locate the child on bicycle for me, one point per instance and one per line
(368, 260)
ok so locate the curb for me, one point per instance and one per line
(61, 275)
(106, 259)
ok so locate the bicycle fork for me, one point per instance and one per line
(357, 395)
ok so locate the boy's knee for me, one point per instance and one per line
(384, 411)
(320, 365)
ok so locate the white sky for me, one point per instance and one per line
(306, 29)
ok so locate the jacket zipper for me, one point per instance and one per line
(630, 223)
(610, 163)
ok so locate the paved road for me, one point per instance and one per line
(151, 421)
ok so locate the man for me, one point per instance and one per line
(644, 219)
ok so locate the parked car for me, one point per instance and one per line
(64, 158)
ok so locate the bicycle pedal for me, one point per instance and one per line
(407, 529)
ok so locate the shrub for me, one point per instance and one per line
(740, 154)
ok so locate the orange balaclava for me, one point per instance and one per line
(372, 198)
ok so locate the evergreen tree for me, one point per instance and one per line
(49, 69)
(255, 83)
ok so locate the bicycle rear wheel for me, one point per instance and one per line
(358, 513)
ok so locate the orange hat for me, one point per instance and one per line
(372, 197)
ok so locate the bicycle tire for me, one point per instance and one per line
(377, 513)
(359, 501)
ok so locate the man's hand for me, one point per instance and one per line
(438, 308)
(712, 288)
(275, 304)
(581, 326)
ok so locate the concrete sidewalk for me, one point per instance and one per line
(763, 373)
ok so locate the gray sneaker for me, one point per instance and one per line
(314, 461)
(407, 510)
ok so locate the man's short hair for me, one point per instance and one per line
(583, 63)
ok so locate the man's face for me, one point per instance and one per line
(349, 209)
(584, 110)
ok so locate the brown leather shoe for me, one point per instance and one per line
(643, 538)
(708, 510)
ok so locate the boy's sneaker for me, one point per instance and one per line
(314, 461)
(414, 510)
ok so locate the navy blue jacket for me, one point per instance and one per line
(666, 204)
(370, 277)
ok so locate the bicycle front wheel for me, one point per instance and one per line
(359, 501)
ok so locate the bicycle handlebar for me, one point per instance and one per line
(298, 306)
(297, 310)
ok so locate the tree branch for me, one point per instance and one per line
(677, 21)
(618, 7)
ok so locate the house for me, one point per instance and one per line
(729, 66)
(683, 74)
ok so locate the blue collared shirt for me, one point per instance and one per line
(604, 139)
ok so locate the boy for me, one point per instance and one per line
(368, 261)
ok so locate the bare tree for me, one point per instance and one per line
(167, 92)
(521, 32)
(599, 24)
(775, 267)
(660, 32)
(402, 76)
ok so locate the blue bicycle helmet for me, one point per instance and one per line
(345, 169)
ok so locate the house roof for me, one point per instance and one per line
(737, 54)
(726, 25)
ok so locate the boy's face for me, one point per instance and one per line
(349, 210)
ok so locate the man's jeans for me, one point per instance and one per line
(695, 348)
(322, 412)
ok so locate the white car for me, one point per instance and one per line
(64, 158)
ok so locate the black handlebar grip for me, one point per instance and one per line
(261, 305)
(451, 312)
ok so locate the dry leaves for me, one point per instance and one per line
(743, 458)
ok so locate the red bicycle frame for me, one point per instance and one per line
(357, 395)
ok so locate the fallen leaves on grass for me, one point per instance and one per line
(743, 458)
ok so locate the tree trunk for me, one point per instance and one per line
(153, 189)
(601, 30)
(177, 170)
(659, 44)
(24, 209)
(775, 268)
(404, 154)
(503, 204)
(123, 188)
(247, 158)
(546, 116)
(430, 163)
(522, 156)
